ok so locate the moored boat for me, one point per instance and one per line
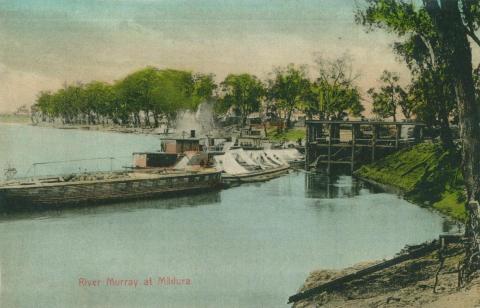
(240, 166)
(255, 176)
(104, 187)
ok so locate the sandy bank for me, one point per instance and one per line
(408, 284)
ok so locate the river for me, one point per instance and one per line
(248, 246)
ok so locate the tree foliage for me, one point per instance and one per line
(390, 97)
(334, 94)
(420, 46)
(143, 98)
(288, 89)
(241, 93)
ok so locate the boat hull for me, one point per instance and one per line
(96, 192)
(259, 176)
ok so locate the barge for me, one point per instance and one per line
(105, 187)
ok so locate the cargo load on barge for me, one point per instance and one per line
(104, 187)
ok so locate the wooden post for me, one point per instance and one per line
(330, 131)
(398, 131)
(354, 141)
(307, 148)
(374, 140)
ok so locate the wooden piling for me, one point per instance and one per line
(329, 160)
(374, 141)
(307, 147)
(354, 141)
(398, 131)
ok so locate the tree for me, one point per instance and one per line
(288, 89)
(100, 99)
(449, 24)
(205, 86)
(242, 93)
(390, 96)
(434, 102)
(172, 93)
(408, 103)
(419, 47)
(134, 93)
(44, 105)
(334, 94)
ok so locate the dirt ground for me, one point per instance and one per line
(408, 284)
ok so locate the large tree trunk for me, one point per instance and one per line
(445, 132)
(448, 21)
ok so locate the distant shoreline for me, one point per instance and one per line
(103, 128)
(7, 118)
(25, 120)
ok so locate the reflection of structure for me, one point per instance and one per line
(349, 142)
(331, 187)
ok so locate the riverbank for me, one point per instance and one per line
(104, 128)
(429, 176)
(14, 119)
(408, 284)
(291, 135)
(425, 174)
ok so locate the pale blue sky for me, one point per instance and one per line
(47, 42)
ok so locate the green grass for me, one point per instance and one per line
(12, 118)
(426, 173)
(290, 135)
(451, 203)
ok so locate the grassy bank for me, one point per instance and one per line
(13, 118)
(426, 173)
(292, 134)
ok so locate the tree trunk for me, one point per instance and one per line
(147, 119)
(155, 119)
(448, 21)
(445, 132)
(288, 122)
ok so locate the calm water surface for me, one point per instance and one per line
(249, 246)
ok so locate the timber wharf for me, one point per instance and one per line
(331, 142)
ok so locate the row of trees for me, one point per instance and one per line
(333, 94)
(150, 96)
(144, 98)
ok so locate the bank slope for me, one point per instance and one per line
(426, 173)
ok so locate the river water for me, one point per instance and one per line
(248, 246)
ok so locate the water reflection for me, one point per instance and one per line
(335, 186)
(168, 203)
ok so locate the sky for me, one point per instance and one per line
(49, 42)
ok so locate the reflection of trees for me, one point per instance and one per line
(331, 187)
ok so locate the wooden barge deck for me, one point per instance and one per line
(133, 186)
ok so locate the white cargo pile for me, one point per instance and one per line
(240, 161)
(229, 164)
